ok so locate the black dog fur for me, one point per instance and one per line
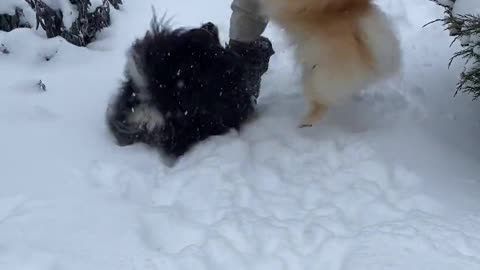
(182, 86)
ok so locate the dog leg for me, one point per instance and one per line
(316, 107)
(314, 114)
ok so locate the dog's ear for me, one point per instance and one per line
(200, 38)
(210, 27)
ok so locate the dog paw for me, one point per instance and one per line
(305, 125)
(314, 115)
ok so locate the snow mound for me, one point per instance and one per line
(8, 6)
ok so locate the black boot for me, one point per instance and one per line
(257, 57)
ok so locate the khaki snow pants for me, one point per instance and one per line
(246, 23)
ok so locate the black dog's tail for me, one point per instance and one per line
(135, 68)
(157, 26)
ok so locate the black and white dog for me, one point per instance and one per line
(182, 86)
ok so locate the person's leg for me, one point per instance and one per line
(246, 29)
(246, 23)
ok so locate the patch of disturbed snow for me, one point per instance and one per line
(387, 181)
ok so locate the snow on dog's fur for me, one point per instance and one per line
(181, 87)
(343, 46)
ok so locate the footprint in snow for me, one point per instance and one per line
(170, 230)
(10, 206)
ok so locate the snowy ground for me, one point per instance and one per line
(388, 181)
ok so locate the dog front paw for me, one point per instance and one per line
(305, 125)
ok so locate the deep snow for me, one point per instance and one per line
(388, 181)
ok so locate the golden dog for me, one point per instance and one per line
(343, 46)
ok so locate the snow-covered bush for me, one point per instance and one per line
(9, 22)
(462, 20)
(78, 21)
(11, 15)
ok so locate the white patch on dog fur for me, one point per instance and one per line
(321, 82)
(329, 86)
(146, 116)
(135, 72)
(382, 41)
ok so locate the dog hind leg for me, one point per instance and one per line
(315, 113)
(316, 108)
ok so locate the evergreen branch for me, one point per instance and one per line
(466, 29)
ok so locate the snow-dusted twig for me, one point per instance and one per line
(42, 86)
(4, 49)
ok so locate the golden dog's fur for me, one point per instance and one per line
(342, 45)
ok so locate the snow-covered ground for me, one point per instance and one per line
(388, 181)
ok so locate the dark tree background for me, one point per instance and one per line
(83, 30)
